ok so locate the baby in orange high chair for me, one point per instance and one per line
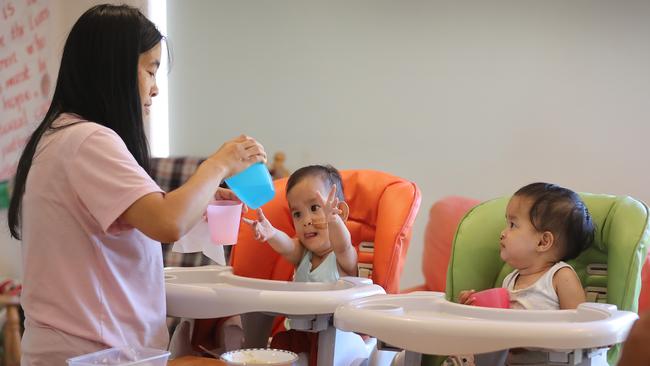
(546, 225)
(322, 250)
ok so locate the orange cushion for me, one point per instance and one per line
(444, 217)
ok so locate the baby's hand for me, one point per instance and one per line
(262, 227)
(465, 297)
(330, 205)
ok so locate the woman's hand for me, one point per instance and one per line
(238, 154)
(228, 195)
(262, 227)
(465, 297)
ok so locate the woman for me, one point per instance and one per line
(89, 215)
(635, 349)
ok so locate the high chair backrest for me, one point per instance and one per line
(382, 211)
(444, 217)
(610, 270)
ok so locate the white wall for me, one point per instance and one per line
(470, 98)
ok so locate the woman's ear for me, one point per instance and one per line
(546, 241)
(345, 210)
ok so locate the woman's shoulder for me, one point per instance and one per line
(74, 131)
(74, 136)
(75, 125)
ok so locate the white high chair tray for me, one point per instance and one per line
(425, 322)
(214, 291)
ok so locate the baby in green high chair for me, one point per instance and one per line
(322, 249)
(546, 225)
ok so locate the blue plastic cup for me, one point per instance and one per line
(253, 186)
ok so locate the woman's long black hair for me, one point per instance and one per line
(98, 80)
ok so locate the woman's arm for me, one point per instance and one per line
(167, 217)
(569, 289)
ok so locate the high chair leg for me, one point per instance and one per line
(12, 337)
(336, 347)
(257, 329)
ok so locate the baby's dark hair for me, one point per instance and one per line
(562, 212)
(327, 173)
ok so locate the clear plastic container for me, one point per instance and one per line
(123, 356)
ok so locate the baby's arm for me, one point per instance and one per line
(569, 289)
(286, 246)
(346, 255)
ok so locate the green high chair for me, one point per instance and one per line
(610, 270)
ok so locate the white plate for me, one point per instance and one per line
(259, 356)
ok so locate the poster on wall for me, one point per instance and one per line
(25, 81)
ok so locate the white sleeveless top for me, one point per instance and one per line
(539, 296)
(327, 271)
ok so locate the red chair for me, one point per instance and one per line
(644, 297)
(444, 217)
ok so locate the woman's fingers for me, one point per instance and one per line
(225, 194)
(247, 149)
(250, 147)
(242, 138)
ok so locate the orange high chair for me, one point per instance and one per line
(382, 211)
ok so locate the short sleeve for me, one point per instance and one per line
(106, 177)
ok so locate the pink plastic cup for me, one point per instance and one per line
(223, 220)
(492, 298)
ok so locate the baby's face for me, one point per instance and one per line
(308, 217)
(520, 238)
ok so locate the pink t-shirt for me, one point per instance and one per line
(90, 281)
